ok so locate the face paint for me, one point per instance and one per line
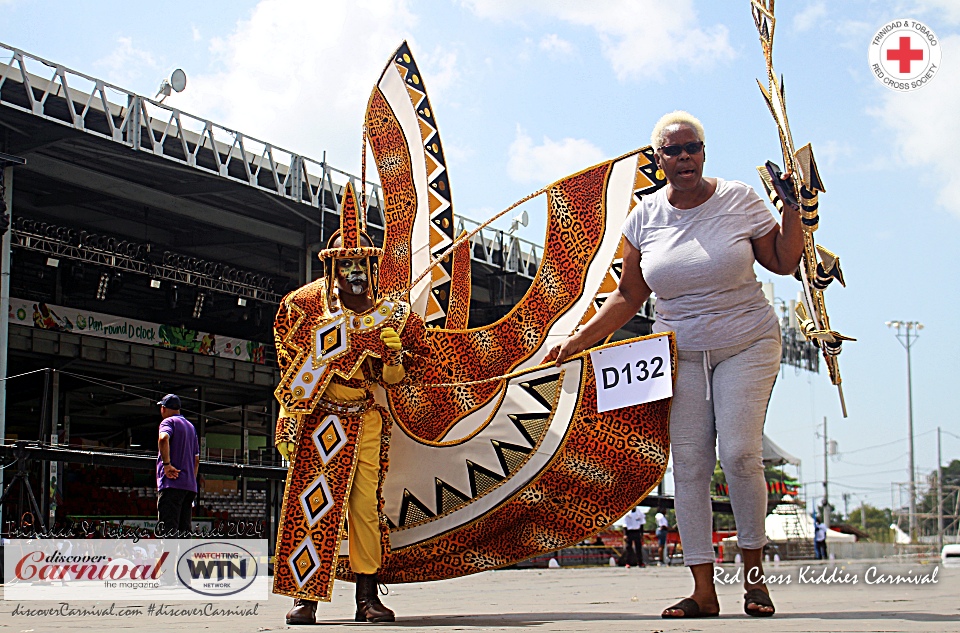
(352, 275)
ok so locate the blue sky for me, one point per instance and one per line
(526, 96)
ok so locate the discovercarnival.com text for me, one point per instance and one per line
(66, 610)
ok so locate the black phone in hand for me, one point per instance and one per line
(784, 188)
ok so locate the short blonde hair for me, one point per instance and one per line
(677, 117)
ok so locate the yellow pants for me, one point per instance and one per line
(362, 517)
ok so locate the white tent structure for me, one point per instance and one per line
(788, 523)
(901, 538)
(773, 455)
(785, 523)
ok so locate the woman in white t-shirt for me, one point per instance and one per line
(694, 243)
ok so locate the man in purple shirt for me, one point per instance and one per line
(177, 467)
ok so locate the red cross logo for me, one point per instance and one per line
(905, 55)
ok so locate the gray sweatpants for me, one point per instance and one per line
(722, 394)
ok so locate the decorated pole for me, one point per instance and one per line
(819, 267)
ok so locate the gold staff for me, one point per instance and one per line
(819, 267)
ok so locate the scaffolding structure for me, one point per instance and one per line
(927, 519)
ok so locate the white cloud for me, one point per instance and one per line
(556, 45)
(441, 73)
(947, 9)
(924, 133)
(126, 64)
(551, 160)
(195, 33)
(855, 34)
(298, 73)
(640, 38)
(830, 152)
(809, 16)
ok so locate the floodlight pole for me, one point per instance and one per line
(939, 494)
(826, 489)
(904, 329)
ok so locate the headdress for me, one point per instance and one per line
(350, 234)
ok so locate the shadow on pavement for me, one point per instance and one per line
(540, 619)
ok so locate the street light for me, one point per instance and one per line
(904, 328)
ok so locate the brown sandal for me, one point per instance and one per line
(690, 609)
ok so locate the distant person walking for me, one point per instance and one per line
(633, 521)
(177, 466)
(819, 539)
(662, 526)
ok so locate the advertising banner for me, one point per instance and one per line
(124, 569)
(62, 319)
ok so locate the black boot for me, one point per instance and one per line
(369, 607)
(303, 612)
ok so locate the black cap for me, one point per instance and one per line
(170, 401)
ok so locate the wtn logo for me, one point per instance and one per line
(217, 569)
(224, 569)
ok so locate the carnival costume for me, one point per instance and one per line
(330, 358)
(493, 457)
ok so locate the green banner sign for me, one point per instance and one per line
(61, 319)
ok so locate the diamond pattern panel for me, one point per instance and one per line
(316, 500)
(331, 340)
(304, 562)
(329, 438)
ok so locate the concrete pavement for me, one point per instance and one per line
(590, 599)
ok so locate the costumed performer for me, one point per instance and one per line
(335, 341)
(694, 243)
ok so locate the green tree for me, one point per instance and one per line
(878, 522)
(772, 474)
(651, 524)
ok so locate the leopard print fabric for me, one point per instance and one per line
(306, 548)
(458, 310)
(303, 318)
(576, 210)
(400, 204)
(607, 462)
(312, 514)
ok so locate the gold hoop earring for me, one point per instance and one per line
(660, 175)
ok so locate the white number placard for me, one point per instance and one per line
(633, 373)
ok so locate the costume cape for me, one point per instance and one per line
(484, 474)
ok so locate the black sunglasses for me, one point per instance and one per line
(691, 148)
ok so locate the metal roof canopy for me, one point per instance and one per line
(88, 160)
(126, 162)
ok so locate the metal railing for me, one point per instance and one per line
(502, 250)
(68, 97)
(56, 93)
